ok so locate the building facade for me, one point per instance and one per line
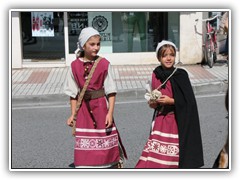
(49, 38)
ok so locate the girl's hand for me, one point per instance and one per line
(165, 100)
(109, 120)
(152, 104)
(70, 121)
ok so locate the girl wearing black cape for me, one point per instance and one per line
(175, 139)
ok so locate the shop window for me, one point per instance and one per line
(42, 36)
(125, 31)
(173, 27)
(101, 21)
(76, 22)
(141, 31)
(129, 31)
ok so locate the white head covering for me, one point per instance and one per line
(85, 34)
(164, 42)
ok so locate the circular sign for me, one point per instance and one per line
(100, 23)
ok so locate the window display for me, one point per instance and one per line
(42, 36)
(121, 32)
(141, 31)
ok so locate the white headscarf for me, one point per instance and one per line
(85, 34)
(164, 42)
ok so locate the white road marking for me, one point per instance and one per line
(50, 105)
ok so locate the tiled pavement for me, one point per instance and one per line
(47, 81)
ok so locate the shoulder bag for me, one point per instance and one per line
(81, 95)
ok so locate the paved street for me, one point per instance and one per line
(41, 138)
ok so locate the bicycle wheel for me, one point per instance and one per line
(214, 57)
(208, 52)
(215, 53)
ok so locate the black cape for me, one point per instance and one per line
(186, 113)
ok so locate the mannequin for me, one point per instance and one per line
(134, 19)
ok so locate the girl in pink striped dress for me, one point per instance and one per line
(97, 141)
(175, 138)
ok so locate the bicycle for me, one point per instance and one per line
(210, 41)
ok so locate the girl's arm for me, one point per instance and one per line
(73, 103)
(109, 117)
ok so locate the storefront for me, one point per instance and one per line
(50, 37)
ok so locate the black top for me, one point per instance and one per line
(186, 113)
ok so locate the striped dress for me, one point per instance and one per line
(162, 147)
(94, 147)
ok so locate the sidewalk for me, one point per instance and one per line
(34, 82)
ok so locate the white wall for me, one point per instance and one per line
(16, 41)
(190, 38)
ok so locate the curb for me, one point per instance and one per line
(123, 95)
(210, 88)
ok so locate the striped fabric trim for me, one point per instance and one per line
(96, 130)
(174, 163)
(164, 134)
(96, 143)
(162, 148)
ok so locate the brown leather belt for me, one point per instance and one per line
(89, 95)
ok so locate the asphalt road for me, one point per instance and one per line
(40, 137)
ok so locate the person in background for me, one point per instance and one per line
(224, 30)
(222, 160)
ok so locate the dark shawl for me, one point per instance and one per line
(186, 112)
